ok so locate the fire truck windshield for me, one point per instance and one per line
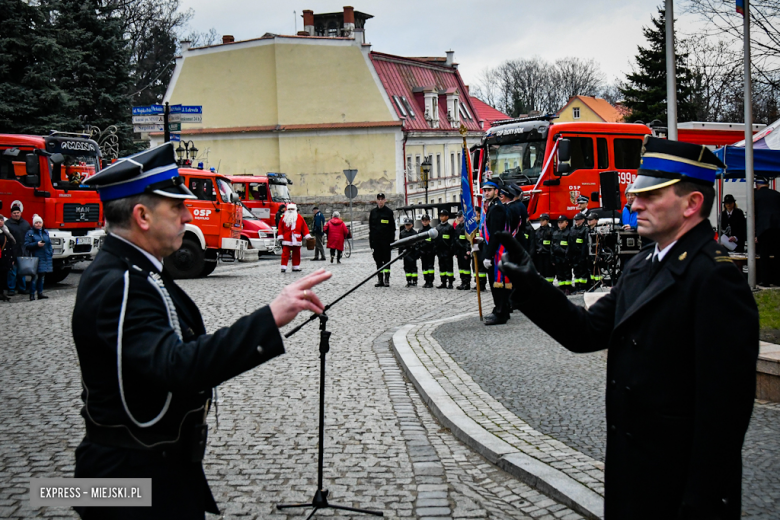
(279, 192)
(74, 171)
(520, 163)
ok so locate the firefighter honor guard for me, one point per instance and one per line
(293, 230)
(593, 247)
(582, 205)
(381, 232)
(578, 252)
(427, 254)
(410, 260)
(495, 221)
(543, 257)
(462, 253)
(560, 251)
(444, 250)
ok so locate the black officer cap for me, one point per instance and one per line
(581, 199)
(460, 213)
(425, 217)
(444, 213)
(407, 220)
(544, 216)
(561, 218)
(666, 162)
(761, 180)
(592, 216)
(578, 216)
(380, 196)
(729, 199)
(150, 171)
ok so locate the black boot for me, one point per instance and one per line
(32, 296)
(387, 279)
(381, 282)
(3, 297)
(450, 284)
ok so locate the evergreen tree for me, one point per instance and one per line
(645, 89)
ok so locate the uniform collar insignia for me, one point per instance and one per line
(683, 256)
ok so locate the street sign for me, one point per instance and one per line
(148, 110)
(147, 120)
(142, 129)
(350, 175)
(351, 191)
(191, 118)
(175, 137)
(174, 127)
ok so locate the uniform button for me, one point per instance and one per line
(612, 428)
(628, 389)
(725, 501)
(633, 341)
(612, 383)
(628, 435)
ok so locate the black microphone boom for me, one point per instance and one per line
(431, 233)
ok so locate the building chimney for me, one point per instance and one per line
(450, 58)
(302, 33)
(308, 21)
(349, 21)
(227, 38)
(185, 45)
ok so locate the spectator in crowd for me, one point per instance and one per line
(319, 235)
(37, 241)
(337, 232)
(767, 232)
(19, 228)
(280, 214)
(733, 223)
(629, 217)
(7, 243)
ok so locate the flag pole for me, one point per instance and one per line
(749, 177)
(671, 74)
(470, 194)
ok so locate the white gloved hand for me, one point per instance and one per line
(475, 248)
(308, 235)
(488, 263)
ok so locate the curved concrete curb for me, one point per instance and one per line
(550, 481)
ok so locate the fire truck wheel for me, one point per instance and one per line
(57, 276)
(187, 262)
(208, 268)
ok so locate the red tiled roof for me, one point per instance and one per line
(401, 75)
(487, 113)
(286, 128)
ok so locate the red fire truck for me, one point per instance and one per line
(215, 230)
(44, 176)
(263, 194)
(554, 163)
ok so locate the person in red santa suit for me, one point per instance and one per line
(293, 230)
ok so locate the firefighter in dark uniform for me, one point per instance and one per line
(594, 269)
(543, 258)
(494, 222)
(444, 250)
(680, 388)
(578, 252)
(478, 248)
(560, 255)
(148, 366)
(410, 260)
(381, 233)
(427, 254)
(463, 253)
(582, 205)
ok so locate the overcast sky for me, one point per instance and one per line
(482, 33)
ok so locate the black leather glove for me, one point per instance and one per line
(516, 263)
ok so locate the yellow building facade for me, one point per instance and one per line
(588, 109)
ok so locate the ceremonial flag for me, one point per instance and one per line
(467, 194)
(741, 7)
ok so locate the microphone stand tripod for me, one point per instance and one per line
(320, 500)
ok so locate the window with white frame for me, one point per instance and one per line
(576, 112)
(452, 164)
(408, 105)
(399, 105)
(417, 167)
(409, 173)
(438, 165)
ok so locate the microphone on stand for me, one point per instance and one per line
(431, 233)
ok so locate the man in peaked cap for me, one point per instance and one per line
(495, 220)
(381, 233)
(680, 389)
(147, 364)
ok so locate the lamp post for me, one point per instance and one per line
(185, 151)
(425, 170)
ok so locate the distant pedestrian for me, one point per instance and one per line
(733, 223)
(319, 235)
(767, 232)
(280, 214)
(7, 257)
(37, 242)
(19, 228)
(293, 230)
(628, 218)
(337, 232)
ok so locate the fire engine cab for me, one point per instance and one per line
(215, 230)
(555, 163)
(44, 176)
(263, 194)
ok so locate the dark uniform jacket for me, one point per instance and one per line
(544, 240)
(767, 210)
(518, 217)
(736, 226)
(560, 244)
(426, 246)
(578, 244)
(381, 226)
(18, 229)
(496, 220)
(443, 244)
(406, 234)
(680, 387)
(461, 245)
(145, 389)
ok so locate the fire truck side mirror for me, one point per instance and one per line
(32, 166)
(564, 156)
(234, 198)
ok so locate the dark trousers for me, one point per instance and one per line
(581, 274)
(319, 248)
(427, 260)
(410, 268)
(543, 263)
(381, 257)
(335, 252)
(563, 273)
(446, 267)
(501, 294)
(464, 268)
(769, 246)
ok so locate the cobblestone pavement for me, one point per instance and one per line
(561, 394)
(383, 449)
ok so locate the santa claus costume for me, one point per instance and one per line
(293, 231)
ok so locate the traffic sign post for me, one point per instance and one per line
(166, 118)
(351, 192)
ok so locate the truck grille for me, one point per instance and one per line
(72, 212)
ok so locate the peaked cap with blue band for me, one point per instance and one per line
(152, 171)
(667, 162)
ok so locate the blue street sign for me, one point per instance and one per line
(175, 137)
(148, 110)
(186, 109)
